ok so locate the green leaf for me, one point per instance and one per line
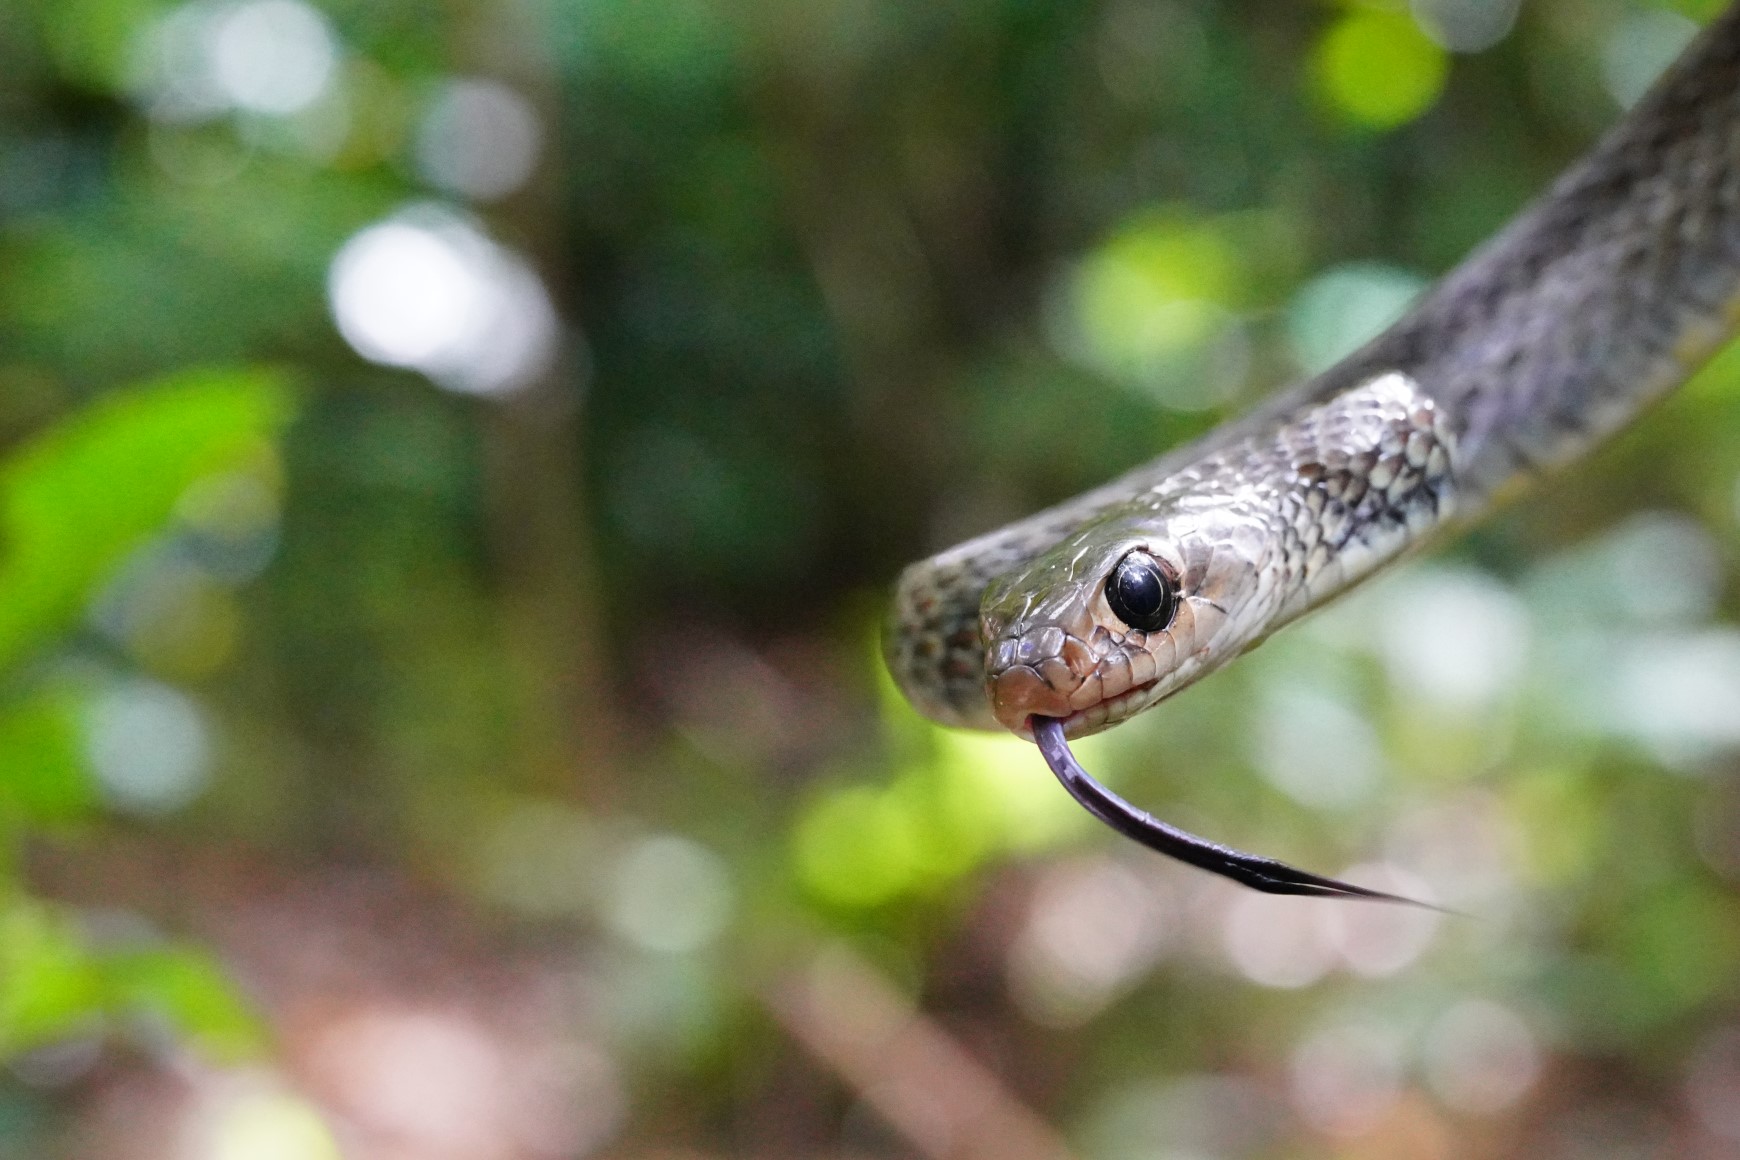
(192, 993)
(50, 987)
(43, 774)
(76, 499)
(53, 984)
(1378, 69)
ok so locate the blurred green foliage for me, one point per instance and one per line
(78, 498)
(87, 492)
(547, 593)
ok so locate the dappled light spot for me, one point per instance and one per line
(1466, 25)
(171, 604)
(170, 614)
(478, 139)
(426, 1076)
(1481, 1057)
(1666, 567)
(669, 894)
(544, 750)
(1154, 307)
(173, 67)
(436, 1082)
(1640, 46)
(1629, 655)
(962, 799)
(1347, 1077)
(272, 56)
(1344, 307)
(855, 847)
(659, 1003)
(1316, 748)
(1002, 788)
(1277, 941)
(1454, 637)
(259, 1121)
(1678, 694)
(1379, 941)
(231, 521)
(208, 58)
(1377, 69)
(1464, 845)
(149, 746)
(1093, 926)
(426, 289)
(1656, 569)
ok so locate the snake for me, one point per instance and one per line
(1599, 298)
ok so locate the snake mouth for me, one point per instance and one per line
(1103, 714)
(1087, 679)
(1022, 692)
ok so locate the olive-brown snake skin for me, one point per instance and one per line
(1597, 299)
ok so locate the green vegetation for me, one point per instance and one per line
(451, 458)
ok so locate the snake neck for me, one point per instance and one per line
(1602, 296)
(1373, 472)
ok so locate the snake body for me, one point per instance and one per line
(1597, 299)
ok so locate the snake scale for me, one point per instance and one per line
(1597, 299)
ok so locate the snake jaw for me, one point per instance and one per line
(1093, 677)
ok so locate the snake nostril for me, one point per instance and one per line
(1058, 674)
(1019, 692)
(1078, 656)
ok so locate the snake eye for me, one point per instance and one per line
(1142, 592)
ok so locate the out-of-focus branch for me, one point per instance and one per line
(948, 1104)
(570, 725)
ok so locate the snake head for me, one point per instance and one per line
(1081, 634)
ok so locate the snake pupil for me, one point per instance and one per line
(1142, 593)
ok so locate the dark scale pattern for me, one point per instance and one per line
(1372, 472)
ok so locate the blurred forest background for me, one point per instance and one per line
(451, 460)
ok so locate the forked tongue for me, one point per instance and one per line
(1259, 873)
